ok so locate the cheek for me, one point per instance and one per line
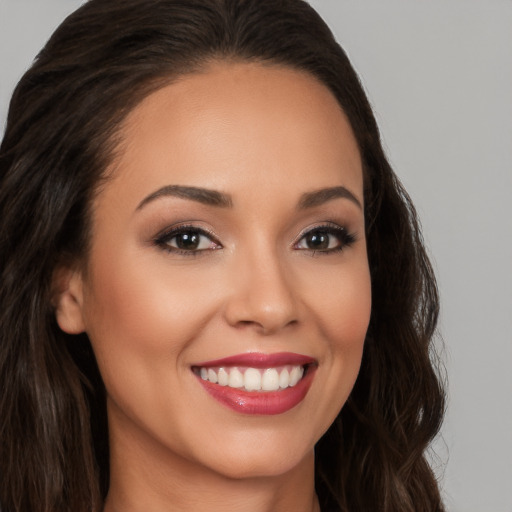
(141, 318)
(342, 305)
(139, 302)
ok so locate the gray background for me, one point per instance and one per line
(439, 75)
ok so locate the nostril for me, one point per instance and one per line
(242, 324)
(266, 304)
(264, 327)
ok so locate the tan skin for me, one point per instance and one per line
(265, 137)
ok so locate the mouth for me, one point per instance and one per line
(253, 379)
(255, 383)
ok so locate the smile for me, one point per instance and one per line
(255, 383)
(254, 379)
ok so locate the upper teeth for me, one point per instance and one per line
(254, 379)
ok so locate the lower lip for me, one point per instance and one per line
(261, 402)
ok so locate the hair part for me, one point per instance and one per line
(62, 134)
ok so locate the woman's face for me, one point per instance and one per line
(227, 291)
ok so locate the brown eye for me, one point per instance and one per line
(187, 240)
(318, 240)
(325, 239)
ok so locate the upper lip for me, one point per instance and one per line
(260, 360)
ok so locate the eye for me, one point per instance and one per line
(328, 238)
(188, 240)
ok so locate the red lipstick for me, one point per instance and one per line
(259, 360)
(282, 397)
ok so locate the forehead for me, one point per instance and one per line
(235, 125)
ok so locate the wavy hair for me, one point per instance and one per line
(61, 134)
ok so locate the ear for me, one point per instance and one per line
(67, 299)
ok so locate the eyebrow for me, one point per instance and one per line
(222, 200)
(200, 195)
(319, 197)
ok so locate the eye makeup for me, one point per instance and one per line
(187, 240)
(192, 240)
(326, 238)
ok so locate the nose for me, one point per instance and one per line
(263, 295)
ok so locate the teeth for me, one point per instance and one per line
(284, 379)
(295, 375)
(270, 380)
(212, 376)
(254, 379)
(223, 377)
(236, 379)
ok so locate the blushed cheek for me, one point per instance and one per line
(343, 307)
(132, 308)
(136, 328)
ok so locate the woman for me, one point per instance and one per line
(214, 290)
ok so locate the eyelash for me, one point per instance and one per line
(330, 229)
(163, 240)
(345, 239)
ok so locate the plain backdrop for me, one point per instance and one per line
(439, 75)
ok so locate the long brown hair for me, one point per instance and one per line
(59, 139)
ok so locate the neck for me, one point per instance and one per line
(144, 476)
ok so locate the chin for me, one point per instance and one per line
(263, 465)
(259, 454)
